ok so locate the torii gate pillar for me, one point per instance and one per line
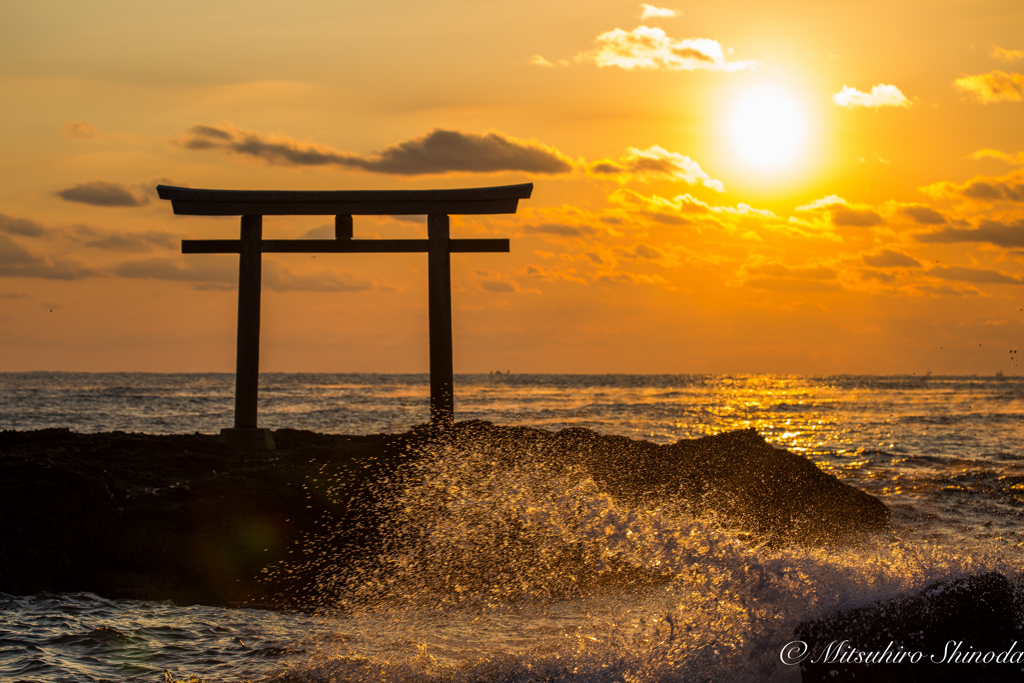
(439, 295)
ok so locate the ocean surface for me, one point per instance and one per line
(946, 454)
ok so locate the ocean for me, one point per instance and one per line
(946, 455)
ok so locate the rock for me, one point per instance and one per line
(186, 518)
(944, 633)
(778, 496)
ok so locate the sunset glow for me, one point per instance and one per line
(730, 187)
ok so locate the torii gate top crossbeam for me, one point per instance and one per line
(477, 200)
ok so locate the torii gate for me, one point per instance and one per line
(252, 205)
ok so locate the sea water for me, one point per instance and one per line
(479, 561)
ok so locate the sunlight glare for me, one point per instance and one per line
(767, 128)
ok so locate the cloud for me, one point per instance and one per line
(925, 215)
(782, 278)
(945, 290)
(1009, 235)
(494, 282)
(102, 193)
(81, 130)
(546, 274)
(650, 48)
(652, 11)
(204, 269)
(995, 86)
(685, 210)
(323, 232)
(857, 218)
(656, 163)
(823, 203)
(646, 251)
(880, 96)
(802, 273)
(1005, 54)
(986, 153)
(976, 275)
(560, 230)
(792, 285)
(1002, 188)
(888, 278)
(888, 258)
(224, 271)
(623, 277)
(842, 213)
(12, 253)
(279, 279)
(126, 241)
(440, 151)
(24, 227)
(17, 261)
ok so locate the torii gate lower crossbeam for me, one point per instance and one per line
(250, 247)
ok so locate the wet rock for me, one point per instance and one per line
(187, 518)
(961, 630)
(778, 496)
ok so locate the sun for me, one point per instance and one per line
(767, 128)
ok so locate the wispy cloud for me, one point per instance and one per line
(24, 227)
(560, 230)
(17, 261)
(995, 86)
(547, 274)
(783, 278)
(539, 60)
(440, 151)
(1015, 159)
(108, 240)
(887, 258)
(102, 193)
(856, 218)
(656, 163)
(82, 130)
(1002, 188)
(224, 272)
(1006, 55)
(976, 275)
(880, 96)
(651, 48)
(652, 11)
(924, 215)
(828, 202)
(988, 231)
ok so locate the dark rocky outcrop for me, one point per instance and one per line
(746, 482)
(185, 518)
(954, 625)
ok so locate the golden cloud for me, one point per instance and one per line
(880, 96)
(1015, 159)
(995, 86)
(651, 48)
(824, 203)
(82, 130)
(1005, 54)
(652, 11)
(656, 163)
(887, 258)
(1001, 188)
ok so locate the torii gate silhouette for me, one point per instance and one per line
(252, 205)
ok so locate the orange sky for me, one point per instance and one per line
(865, 215)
